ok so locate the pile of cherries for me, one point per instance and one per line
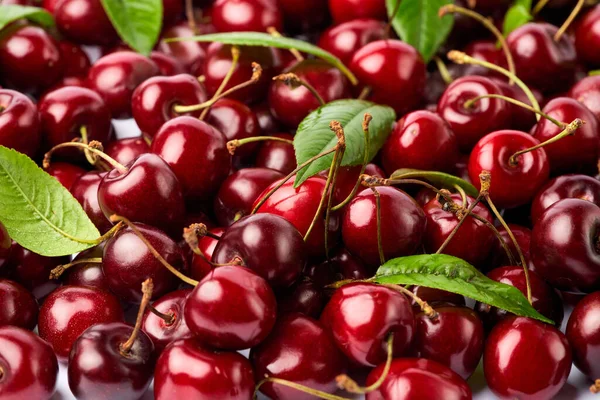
(208, 240)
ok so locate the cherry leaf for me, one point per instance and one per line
(11, 13)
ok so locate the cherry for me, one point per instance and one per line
(153, 101)
(87, 274)
(348, 176)
(246, 15)
(587, 92)
(126, 150)
(227, 375)
(266, 121)
(519, 348)
(583, 334)
(418, 378)
(344, 39)
(167, 64)
(30, 58)
(340, 266)
(541, 61)
(347, 10)
(498, 256)
(199, 266)
(19, 123)
(67, 174)
(146, 186)
(191, 55)
(587, 37)
(521, 118)
(5, 246)
(360, 316)
(197, 154)
(277, 155)
(511, 185)
(267, 244)
(85, 191)
(85, 21)
(303, 15)
(305, 297)
(29, 367)
(420, 140)
(18, 306)
(435, 296)
(564, 246)
(115, 76)
(471, 123)
(291, 104)
(402, 225)
(485, 50)
(76, 61)
(390, 67)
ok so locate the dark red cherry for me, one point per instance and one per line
(276, 155)
(402, 225)
(172, 11)
(360, 316)
(227, 375)
(587, 92)
(18, 307)
(304, 297)
(246, 15)
(126, 150)
(87, 274)
(33, 270)
(199, 266)
(266, 121)
(511, 185)
(98, 366)
(470, 124)
(29, 366)
(148, 192)
(587, 37)
(163, 332)
(85, 190)
(167, 64)
(65, 173)
(519, 348)
(76, 61)
(420, 140)
(564, 245)
(127, 263)
(267, 244)
(153, 101)
(191, 55)
(340, 266)
(115, 76)
(85, 22)
(346, 10)
(19, 123)
(197, 154)
(390, 67)
(418, 378)
(5, 246)
(345, 39)
(521, 119)
(498, 256)
(485, 50)
(303, 15)
(583, 334)
(348, 176)
(435, 296)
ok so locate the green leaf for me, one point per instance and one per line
(266, 40)
(517, 15)
(441, 271)
(11, 13)
(314, 136)
(138, 22)
(439, 179)
(38, 212)
(417, 23)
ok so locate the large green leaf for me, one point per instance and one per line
(441, 271)
(38, 212)
(266, 40)
(436, 178)
(417, 23)
(11, 13)
(314, 136)
(517, 15)
(138, 22)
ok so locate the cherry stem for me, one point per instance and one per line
(444, 73)
(191, 235)
(594, 72)
(568, 131)
(509, 254)
(595, 388)
(563, 28)
(461, 58)
(364, 93)
(539, 6)
(472, 3)
(388, 26)
(461, 219)
(168, 318)
(59, 270)
(2, 108)
(330, 198)
(378, 210)
(273, 32)
(469, 104)
(84, 139)
(305, 389)
(235, 58)
(147, 288)
(232, 145)
(463, 195)
(189, 14)
(155, 253)
(376, 181)
(293, 81)
(93, 147)
(425, 307)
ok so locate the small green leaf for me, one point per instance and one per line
(266, 40)
(517, 15)
(11, 13)
(38, 212)
(441, 271)
(138, 22)
(440, 179)
(314, 136)
(417, 23)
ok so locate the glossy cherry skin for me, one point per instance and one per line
(149, 192)
(498, 256)
(18, 307)
(85, 21)
(390, 67)
(127, 263)
(539, 60)
(76, 61)
(28, 364)
(587, 37)
(299, 350)
(564, 246)
(115, 76)
(85, 191)
(519, 348)
(70, 310)
(521, 119)
(199, 267)
(87, 274)
(191, 55)
(290, 105)
(30, 58)
(266, 121)
(126, 150)
(246, 15)
(360, 316)
(347, 10)
(511, 186)
(484, 116)
(65, 173)
(153, 100)
(402, 225)
(304, 297)
(163, 332)
(345, 39)
(267, 244)
(232, 308)
(5, 246)
(228, 375)
(277, 155)
(418, 378)
(19, 123)
(420, 140)
(583, 333)
(167, 64)
(98, 369)
(587, 92)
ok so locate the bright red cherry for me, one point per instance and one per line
(199, 267)
(347, 10)
(191, 55)
(164, 332)
(587, 92)
(345, 39)
(76, 61)
(85, 191)
(65, 173)
(583, 333)
(18, 307)
(85, 21)
(587, 37)
(246, 15)
(276, 155)
(126, 150)
(19, 123)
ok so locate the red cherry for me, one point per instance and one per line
(19, 123)
(126, 150)
(199, 267)
(172, 11)
(87, 274)
(587, 92)
(246, 15)
(85, 21)
(348, 176)
(435, 296)
(267, 122)
(522, 119)
(485, 50)
(76, 61)
(18, 307)
(277, 155)
(346, 10)
(345, 39)
(583, 334)
(191, 55)
(85, 191)
(587, 37)
(65, 173)
(304, 297)
(498, 256)
(167, 64)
